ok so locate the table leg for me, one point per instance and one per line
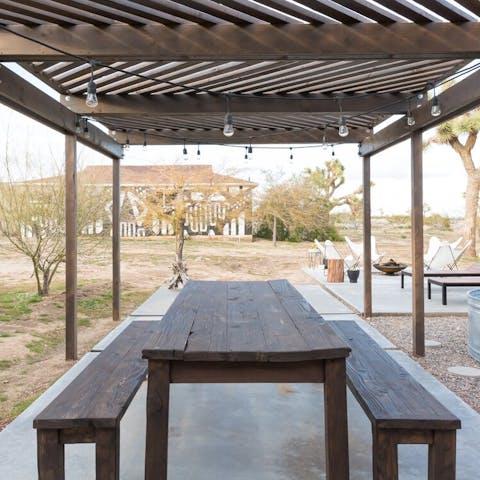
(107, 453)
(444, 294)
(441, 455)
(429, 290)
(336, 430)
(402, 280)
(50, 455)
(157, 420)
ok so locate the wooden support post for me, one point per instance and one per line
(116, 240)
(367, 236)
(70, 247)
(418, 305)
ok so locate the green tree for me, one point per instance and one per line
(461, 135)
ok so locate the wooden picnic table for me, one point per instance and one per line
(245, 332)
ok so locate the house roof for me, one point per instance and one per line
(160, 175)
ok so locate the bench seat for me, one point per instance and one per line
(446, 282)
(90, 408)
(400, 409)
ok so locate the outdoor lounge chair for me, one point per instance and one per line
(457, 253)
(357, 250)
(442, 259)
(433, 245)
(331, 253)
(456, 243)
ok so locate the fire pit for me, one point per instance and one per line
(390, 268)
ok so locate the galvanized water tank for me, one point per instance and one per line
(473, 298)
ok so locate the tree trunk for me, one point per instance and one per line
(274, 234)
(45, 283)
(179, 268)
(471, 209)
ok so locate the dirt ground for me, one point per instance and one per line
(32, 348)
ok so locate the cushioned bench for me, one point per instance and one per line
(90, 408)
(399, 408)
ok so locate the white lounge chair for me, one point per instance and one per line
(433, 245)
(457, 254)
(331, 253)
(357, 250)
(442, 259)
(456, 243)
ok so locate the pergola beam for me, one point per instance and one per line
(128, 105)
(252, 42)
(25, 98)
(216, 137)
(454, 101)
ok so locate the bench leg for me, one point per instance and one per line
(385, 456)
(429, 290)
(50, 455)
(336, 430)
(442, 455)
(157, 420)
(107, 453)
(444, 294)
(402, 280)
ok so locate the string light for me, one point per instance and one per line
(291, 153)
(228, 129)
(144, 141)
(246, 153)
(250, 152)
(91, 100)
(342, 128)
(127, 142)
(198, 152)
(86, 133)
(185, 153)
(333, 152)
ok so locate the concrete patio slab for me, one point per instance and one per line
(321, 300)
(389, 298)
(241, 431)
(157, 304)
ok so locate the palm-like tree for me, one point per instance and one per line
(461, 134)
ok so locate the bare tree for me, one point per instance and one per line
(32, 218)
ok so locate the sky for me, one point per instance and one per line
(444, 176)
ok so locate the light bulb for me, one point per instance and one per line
(250, 152)
(291, 153)
(198, 153)
(436, 110)
(343, 129)
(185, 153)
(127, 144)
(228, 129)
(92, 100)
(410, 119)
(246, 153)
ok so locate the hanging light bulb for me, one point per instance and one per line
(198, 152)
(92, 100)
(333, 152)
(127, 141)
(435, 110)
(144, 141)
(410, 119)
(228, 129)
(246, 153)
(291, 153)
(324, 140)
(185, 153)
(250, 152)
(343, 129)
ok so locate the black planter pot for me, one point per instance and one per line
(353, 275)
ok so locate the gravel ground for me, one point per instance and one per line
(451, 332)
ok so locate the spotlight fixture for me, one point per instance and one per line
(92, 100)
(86, 133)
(198, 152)
(435, 110)
(228, 129)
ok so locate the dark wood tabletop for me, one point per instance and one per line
(243, 321)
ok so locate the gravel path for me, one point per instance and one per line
(451, 332)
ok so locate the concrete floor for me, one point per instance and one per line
(389, 298)
(240, 432)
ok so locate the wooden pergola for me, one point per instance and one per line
(167, 73)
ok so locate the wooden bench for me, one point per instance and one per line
(445, 282)
(90, 408)
(399, 408)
